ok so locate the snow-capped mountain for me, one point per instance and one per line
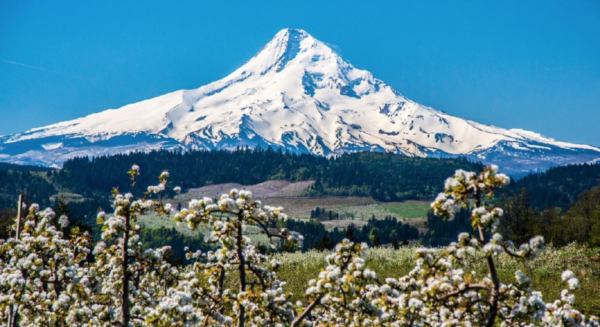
(296, 93)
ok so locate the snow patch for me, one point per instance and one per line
(52, 146)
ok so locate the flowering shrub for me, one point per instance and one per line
(47, 280)
(129, 283)
(259, 298)
(42, 282)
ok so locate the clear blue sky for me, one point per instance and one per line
(515, 64)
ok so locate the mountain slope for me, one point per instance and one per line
(296, 93)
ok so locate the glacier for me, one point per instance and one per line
(297, 94)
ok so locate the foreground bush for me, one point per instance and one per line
(52, 281)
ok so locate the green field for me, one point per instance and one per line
(408, 209)
(545, 272)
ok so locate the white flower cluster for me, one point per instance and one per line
(47, 281)
(444, 206)
(263, 303)
(462, 185)
(63, 221)
(43, 274)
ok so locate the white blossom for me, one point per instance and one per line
(63, 221)
(439, 291)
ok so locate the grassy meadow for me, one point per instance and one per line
(408, 209)
(545, 272)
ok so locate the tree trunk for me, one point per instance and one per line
(14, 312)
(306, 312)
(242, 268)
(125, 280)
(491, 318)
(20, 205)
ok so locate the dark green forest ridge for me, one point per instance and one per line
(557, 187)
(382, 176)
(14, 167)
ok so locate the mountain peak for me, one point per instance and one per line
(283, 48)
(295, 33)
(287, 38)
(299, 94)
(299, 56)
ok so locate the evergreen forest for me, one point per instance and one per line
(384, 176)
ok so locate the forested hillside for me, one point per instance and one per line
(557, 187)
(443, 232)
(187, 169)
(12, 183)
(384, 176)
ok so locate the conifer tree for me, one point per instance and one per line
(395, 243)
(376, 241)
(350, 233)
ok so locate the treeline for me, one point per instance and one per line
(580, 222)
(79, 221)
(324, 214)
(23, 168)
(384, 231)
(98, 176)
(60, 207)
(557, 187)
(561, 204)
(384, 176)
(7, 219)
(387, 176)
(87, 210)
(441, 233)
(375, 233)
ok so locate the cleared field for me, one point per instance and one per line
(268, 189)
(68, 197)
(342, 224)
(154, 222)
(287, 195)
(408, 209)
